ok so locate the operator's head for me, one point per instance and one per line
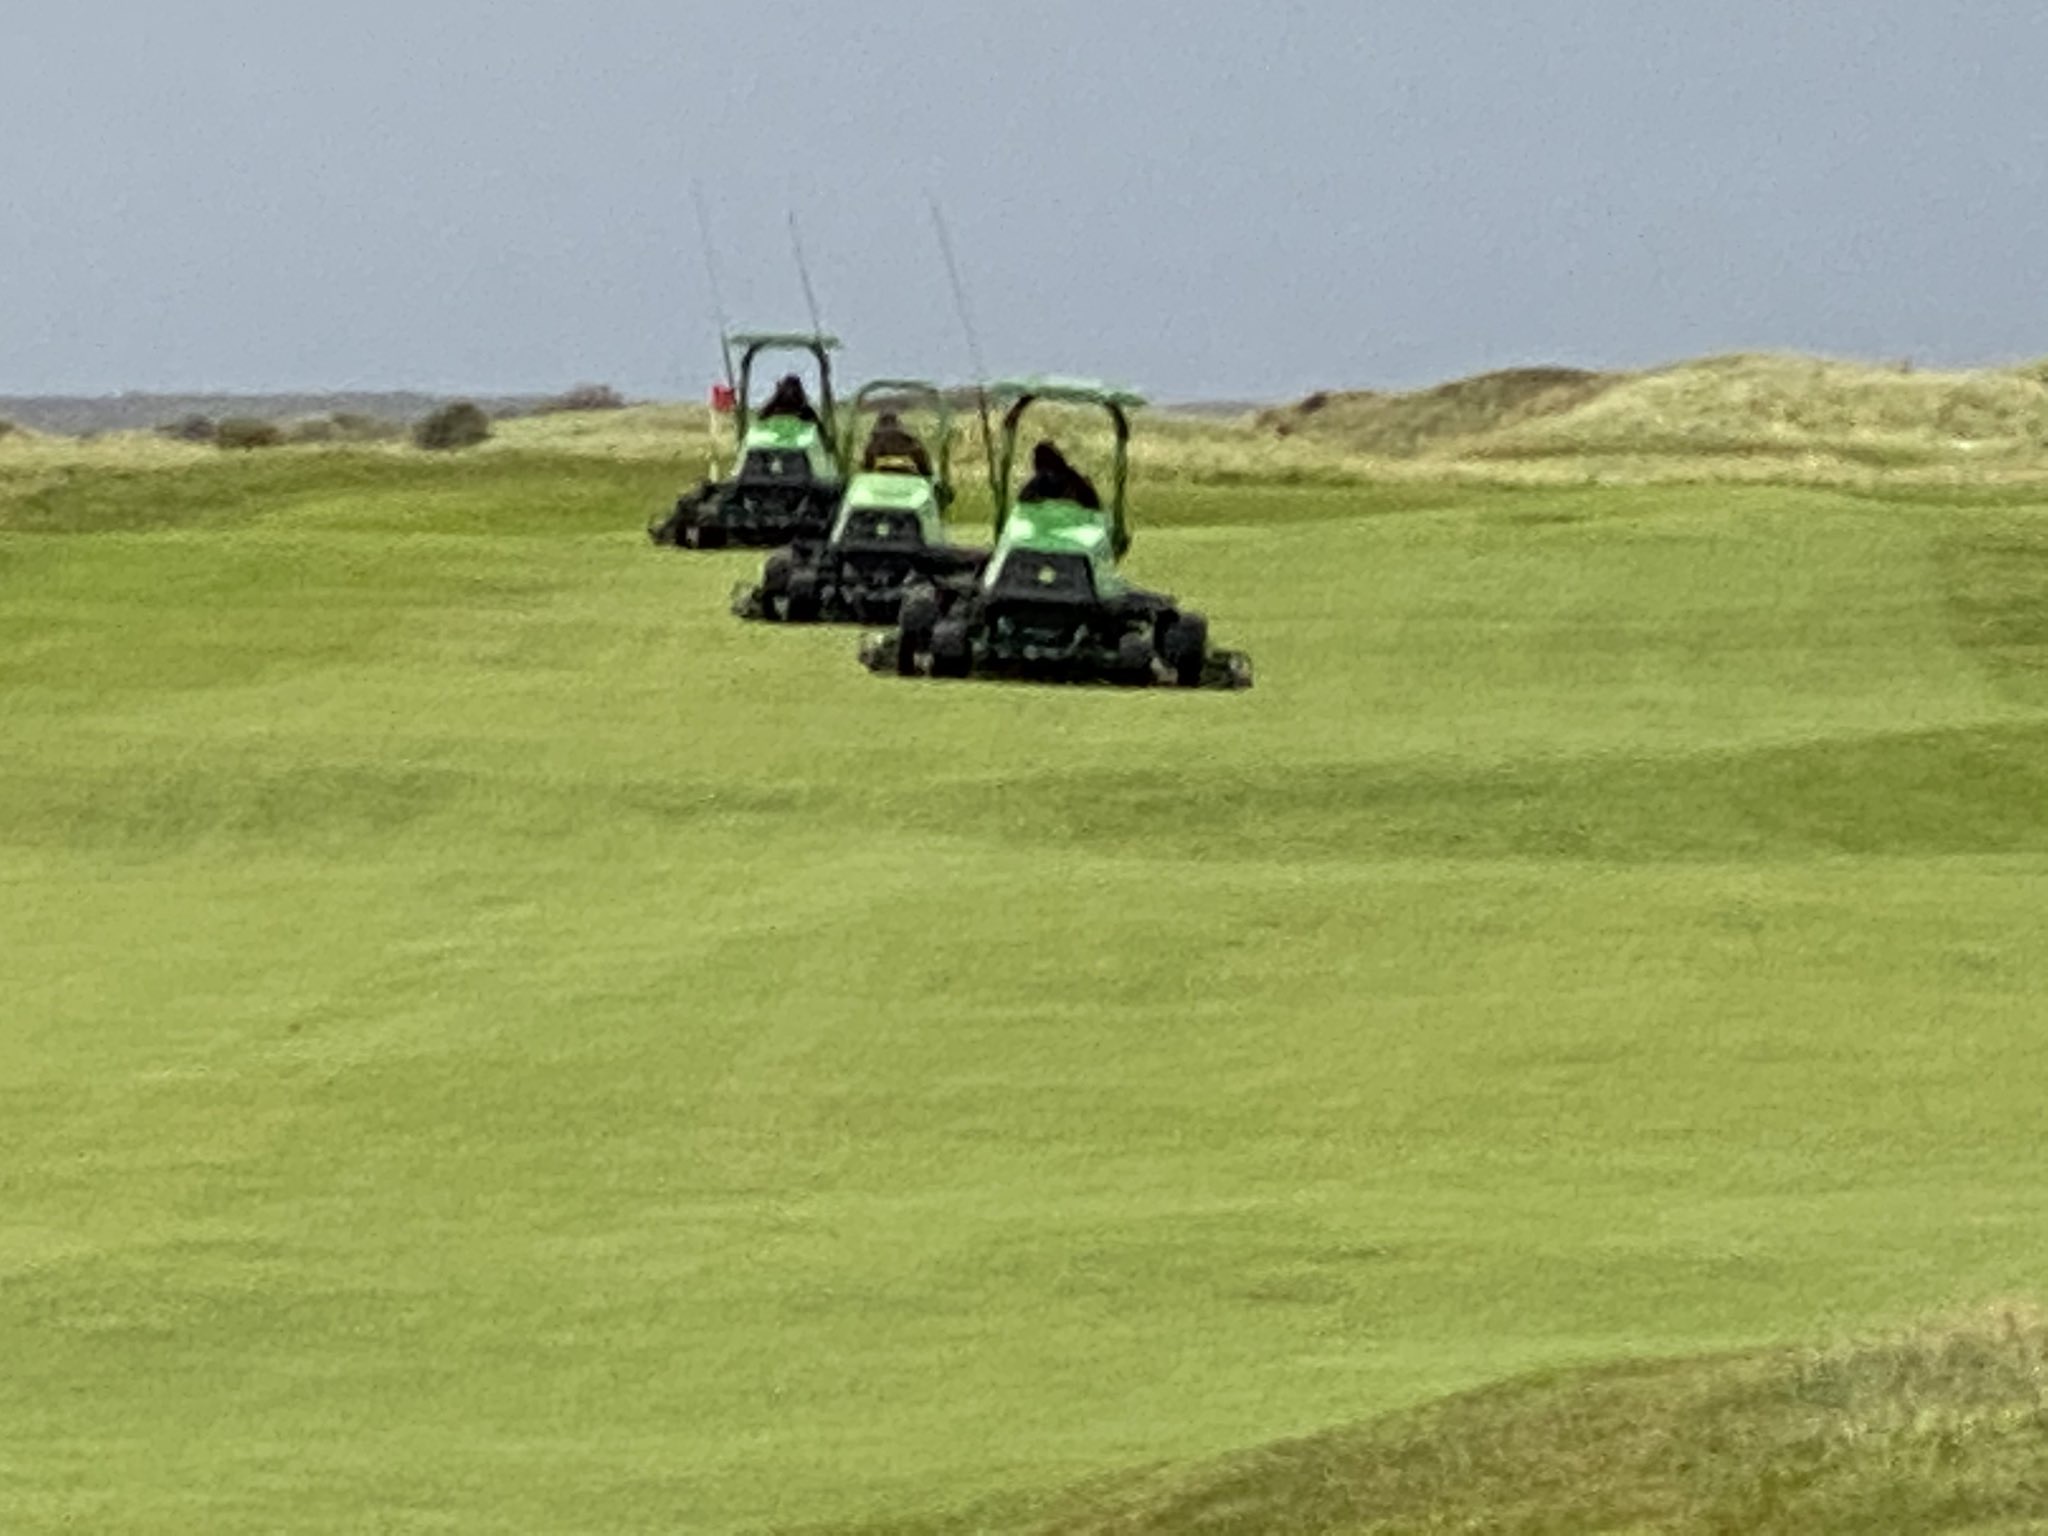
(1047, 459)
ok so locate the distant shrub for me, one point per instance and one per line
(7, 428)
(246, 432)
(460, 425)
(586, 397)
(190, 429)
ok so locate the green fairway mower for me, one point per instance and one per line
(1050, 602)
(890, 532)
(787, 480)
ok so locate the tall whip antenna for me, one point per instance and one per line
(974, 360)
(803, 272)
(724, 324)
(711, 273)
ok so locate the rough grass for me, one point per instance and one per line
(1791, 406)
(493, 1044)
(1941, 1429)
(1798, 418)
(1749, 419)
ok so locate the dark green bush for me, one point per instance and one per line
(460, 425)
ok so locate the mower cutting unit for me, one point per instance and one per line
(1051, 602)
(890, 531)
(787, 480)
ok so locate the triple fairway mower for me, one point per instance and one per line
(788, 476)
(1050, 602)
(890, 532)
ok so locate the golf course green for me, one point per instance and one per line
(493, 1044)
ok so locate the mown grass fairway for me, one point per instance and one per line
(493, 1044)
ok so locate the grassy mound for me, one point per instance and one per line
(1743, 406)
(1368, 421)
(1941, 1429)
(1792, 406)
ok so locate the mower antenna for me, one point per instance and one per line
(803, 272)
(717, 290)
(974, 360)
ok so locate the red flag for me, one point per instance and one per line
(722, 399)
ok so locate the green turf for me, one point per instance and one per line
(495, 1044)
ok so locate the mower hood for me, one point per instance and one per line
(782, 432)
(1060, 528)
(896, 492)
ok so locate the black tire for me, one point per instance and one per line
(801, 603)
(906, 654)
(1185, 648)
(952, 649)
(708, 536)
(682, 516)
(1135, 657)
(918, 614)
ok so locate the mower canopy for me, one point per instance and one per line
(788, 472)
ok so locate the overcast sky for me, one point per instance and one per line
(1204, 199)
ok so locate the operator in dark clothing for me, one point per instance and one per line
(789, 399)
(1054, 479)
(893, 444)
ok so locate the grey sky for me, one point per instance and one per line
(1200, 198)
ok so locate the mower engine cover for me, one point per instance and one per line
(783, 450)
(1071, 536)
(885, 508)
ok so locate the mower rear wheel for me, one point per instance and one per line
(1134, 657)
(919, 613)
(1185, 647)
(800, 602)
(906, 654)
(952, 650)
